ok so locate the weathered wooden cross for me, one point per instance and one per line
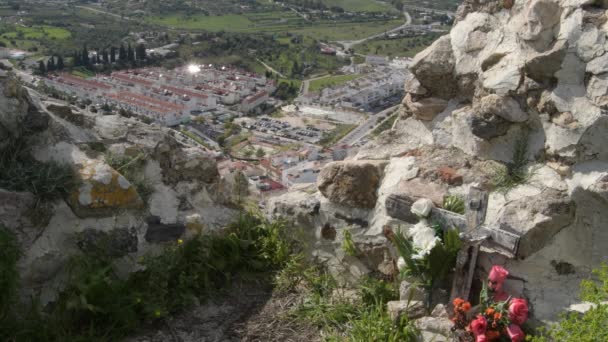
(474, 234)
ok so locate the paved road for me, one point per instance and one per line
(364, 128)
(426, 9)
(103, 12)
(350, 43)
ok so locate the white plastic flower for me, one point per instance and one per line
(423, 239)
(401, 264)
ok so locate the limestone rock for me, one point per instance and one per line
(437, 325)
(540, 17)
(503, 78)
(408, 291)
(488, 126)
(537, 218)
(179, 163)
(102, 191)
(434, 68)
(66, 113)
(502, 106)
(413, 86)
(18, 114)
(412, 309)
(114, 244)
(425, 109)
(352, 183)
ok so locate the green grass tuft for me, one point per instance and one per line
(515, 172)
(454, 204)
(20, 172)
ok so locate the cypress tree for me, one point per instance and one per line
(122, 53)
(141, 52)
(106, 58)
(85, 56)
(50, 64)
(130, 53)
(60, 64)
(41, 68)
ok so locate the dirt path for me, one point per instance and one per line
(248, 313)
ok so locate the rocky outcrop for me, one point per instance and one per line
(102, 191)
(509, 74)
(352, 183)
(18, 114)
(136, 186)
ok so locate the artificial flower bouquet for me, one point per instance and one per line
(498, 317)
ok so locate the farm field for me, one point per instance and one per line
(401, 47)
(29, 37)
(332, 81)
(275, 22)
(359, 5)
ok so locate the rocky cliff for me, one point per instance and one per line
(132, 186)
(513, 101)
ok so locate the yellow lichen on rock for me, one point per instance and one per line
(103, 191)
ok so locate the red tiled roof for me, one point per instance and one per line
(146, 102)
(131, 78)
(180, 91)
(77, 81)
(253, 98)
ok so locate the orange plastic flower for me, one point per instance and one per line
(490, 311)
(466, 307)
(458, 302)
(497, 316)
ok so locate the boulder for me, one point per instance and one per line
(441, 326)
(434, 68)
(425, 109)
(537, 217)
(413, 86)
(503, 78)
(412, 309)
(409, 291)
(503, 106)
(102, 191)
(352, 183)
(66, 113)
(115, 243)
(180, 163)
(488, 126)
(18, 113)
(540, 16)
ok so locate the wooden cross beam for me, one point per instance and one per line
(471, 224)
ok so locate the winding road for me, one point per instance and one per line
(347, 44)
(366, 127)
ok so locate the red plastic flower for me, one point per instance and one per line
(515, 333)
(518, 311)
(497, 277)
(479, 325)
